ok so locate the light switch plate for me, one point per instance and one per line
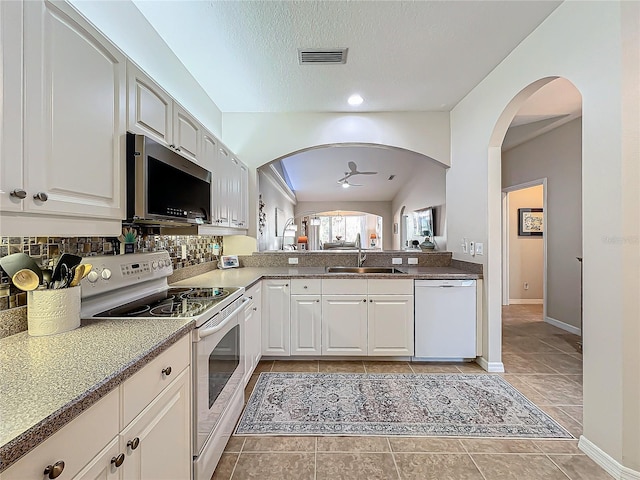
(396, 261)
(293, 260)
(412, 261)
(480, 248)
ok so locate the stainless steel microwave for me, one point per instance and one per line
(163, 187)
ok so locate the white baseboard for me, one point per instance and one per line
(562, 325)
(491, 367)
(526, 301)
(608, 463)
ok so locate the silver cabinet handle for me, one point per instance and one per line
(18, 193)
(43, 197)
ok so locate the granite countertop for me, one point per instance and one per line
(247, 276)
(43, 385)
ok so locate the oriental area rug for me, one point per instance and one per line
(440, 405)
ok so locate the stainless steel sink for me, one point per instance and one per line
(363, 270)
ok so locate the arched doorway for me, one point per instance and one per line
(539, 345)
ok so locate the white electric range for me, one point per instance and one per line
(135, 286)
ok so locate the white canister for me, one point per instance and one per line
(53, 311)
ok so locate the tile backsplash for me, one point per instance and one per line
(46, 250)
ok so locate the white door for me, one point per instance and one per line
(187, 133)
(163, 433)
(344, 325)
(107, 465)
(74, 139)
(150, 108)
(275, 318)
(390, 325)
(306, 331)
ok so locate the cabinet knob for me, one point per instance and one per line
(255, 309)
(317, 301)
(117, 461)
(172, 146)
(370, 301)
(167, 371)
(43, 197)
(250, 297)
(178, 149)
(286, 284)
(18, 193)
(365, 300)
(133, 444)
(54, 471)
(305, 287)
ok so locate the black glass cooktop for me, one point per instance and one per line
(174, 302)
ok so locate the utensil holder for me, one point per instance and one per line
(53, 311)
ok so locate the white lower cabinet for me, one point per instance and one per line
(306, 331)
(276, 319)
(252, 330)
(344, 325)
(99, 443)
(390, 325)
(157, 443)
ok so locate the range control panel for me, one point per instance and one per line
(117, 271)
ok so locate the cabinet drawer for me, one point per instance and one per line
(306, 286)
(139, 390)
(400, 286)
(339, 286)
(75, 444)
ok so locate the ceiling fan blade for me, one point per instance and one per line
(366, 173)
(344, 179)
(353, 167)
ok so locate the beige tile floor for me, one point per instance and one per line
(540, 360)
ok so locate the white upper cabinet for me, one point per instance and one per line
(149, 107)
(187, 133)
(209, 152)
(69, 158)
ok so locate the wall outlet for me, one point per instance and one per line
(293, 260)
(526, 285)
(396, 261)
(412, 261)
(183, 252)
(480, 248)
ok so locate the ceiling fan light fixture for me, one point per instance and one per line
(345, 184)
(355, 100)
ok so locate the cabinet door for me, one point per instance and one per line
(234, 193)
(103, 466)
(306, 330)
(243, 217)
(150, 108)
(187, 133)
(163, 433)
(255, 294)
(390, 325)
(74, 144)
(344, 325)
(209, 152)
(11, 120)
(275, 318)
(222, 189)
(252, 339)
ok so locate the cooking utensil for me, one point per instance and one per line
(15, 262)
(87, 268)
(66, 259)
(26, 280)
(78, 273)
(46, 277)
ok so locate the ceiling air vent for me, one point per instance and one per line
(322, 56)
(391, 177)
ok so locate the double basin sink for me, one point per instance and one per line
(363, 270)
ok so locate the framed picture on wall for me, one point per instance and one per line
(530, 222)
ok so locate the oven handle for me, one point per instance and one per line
(210, 331)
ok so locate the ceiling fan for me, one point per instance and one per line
(345, 183)
(353, 170)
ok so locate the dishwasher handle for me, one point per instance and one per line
(445, 283)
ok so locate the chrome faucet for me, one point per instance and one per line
(361, 257)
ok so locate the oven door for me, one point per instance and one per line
(218, 372)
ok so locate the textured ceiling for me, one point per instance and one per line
(403, 56)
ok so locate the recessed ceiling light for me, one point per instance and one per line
(355, 99)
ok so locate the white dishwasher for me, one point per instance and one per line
(445, 319)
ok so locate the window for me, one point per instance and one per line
(343, 228)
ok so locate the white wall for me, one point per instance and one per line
(526, 254)
(128, 29)
(580, 41)
(426, 188)
(258, 138)
(382, 209)
(556, 156)
(273, 197)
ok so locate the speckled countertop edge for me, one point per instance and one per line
(21, 444)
